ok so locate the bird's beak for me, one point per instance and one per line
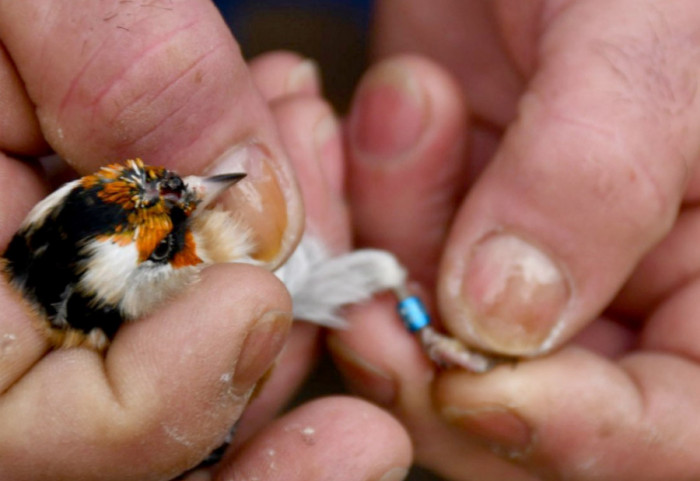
(208, 189)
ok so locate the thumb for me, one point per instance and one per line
(586, 181)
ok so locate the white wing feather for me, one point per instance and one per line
(320, 284)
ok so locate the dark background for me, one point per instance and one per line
(334, 34)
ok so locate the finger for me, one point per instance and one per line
(473, 52)
(165, 83)
(673, 326)
(672, 263)
(407, 135)
(550, 418)
(288, 372)
(172, 385)
(578, 191)
(20, 344)
(397, 375)
(20, 188)
(280, 73)
(311, 131)
(380, 360)
(608, 338)
(19, 127)
(332, 438)
(548, 415)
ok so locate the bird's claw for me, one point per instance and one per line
(448, 352)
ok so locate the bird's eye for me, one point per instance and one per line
(162, 251)
(172, 186)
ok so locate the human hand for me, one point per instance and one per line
(576, 239)
(100, 82)
(310, 132)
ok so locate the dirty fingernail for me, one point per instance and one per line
(361, 376)
(304, 78)
(260, 348)
(266, 202)
(499, 427)
(389, 113)
(513, 295)
(395, 474)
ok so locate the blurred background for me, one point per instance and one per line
(332, 32)
(335, 34)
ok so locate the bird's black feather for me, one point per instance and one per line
(44, 261)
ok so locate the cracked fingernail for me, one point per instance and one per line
(513, 295)
(260, 348)
(266, 201)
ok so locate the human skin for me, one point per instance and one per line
(534, 165)
(104, 81)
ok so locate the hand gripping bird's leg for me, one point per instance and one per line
(320, 284)
(443, 350)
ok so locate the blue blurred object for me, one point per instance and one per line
(413, 313)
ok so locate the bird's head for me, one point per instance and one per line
(153, 209)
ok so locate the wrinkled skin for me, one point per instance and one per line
(574, 128)
(105, 81)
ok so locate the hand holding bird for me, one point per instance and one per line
(168, 387)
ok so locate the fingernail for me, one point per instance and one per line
(260, 348)
(513, 295)
(395, 474)
(304, 78)
(388, 115)
(199, 475)
(329, 146)
(326, 135)
(500, 428)
(362, 377)
(263, 202)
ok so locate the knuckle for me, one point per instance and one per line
(157, 92)
(129, 95)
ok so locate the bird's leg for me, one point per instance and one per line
(443, 350)
(320, 284)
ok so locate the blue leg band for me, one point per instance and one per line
(413, 313)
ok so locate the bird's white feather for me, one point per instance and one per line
(108, 269)
(116, 277)
(151, 284)
(321, 284)
(221, 238)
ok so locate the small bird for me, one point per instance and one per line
(112, 246)
(109, 247)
